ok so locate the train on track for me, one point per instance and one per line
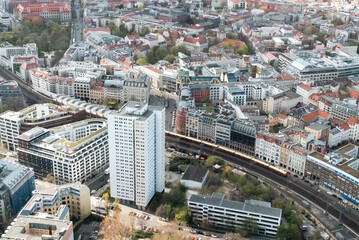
(233, 152)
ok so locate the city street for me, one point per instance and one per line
(170, 109)
(77, 22)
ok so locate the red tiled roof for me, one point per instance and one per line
(305, 87)
(236, 43)
(200, 39)
(97, 29)
(311, 116)
(280, 115)
(352, 121)
(345, 126)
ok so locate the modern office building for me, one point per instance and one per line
(137, 152)
(16, 185)
(228, 214)
(50, 214)
(48, 115)
(71, 153)
(75, 196)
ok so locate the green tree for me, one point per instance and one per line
(209, 109)
(169, 58)
(144, 31)
(169, 211)
(282, 232)
(205, 50)
(161, 53)
(213, 160)
(232, 35)
(183, 216)
(141, 61)
(337, 22)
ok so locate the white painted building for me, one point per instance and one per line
(297, 158)
(76, 151)
(137, 152)
(228, 214)
(44, 80)
(268, 146)
(305, 91)
(338, 135)
(235, 95)
(10, 122)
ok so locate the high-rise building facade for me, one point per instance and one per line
(137, 152)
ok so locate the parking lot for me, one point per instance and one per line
(88, 231)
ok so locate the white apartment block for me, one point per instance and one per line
(305, 91)
(228, 214)
(10, 122)
(44, 80)
(255, 91)
(216, 92)
(297, 158)
(235, 95)
(137, 152)
(338, 135)
(268, 147)
(75, 151)
(9, 50)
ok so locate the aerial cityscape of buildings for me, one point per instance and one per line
(113, 104)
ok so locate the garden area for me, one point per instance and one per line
(49, 36)
(235, 187)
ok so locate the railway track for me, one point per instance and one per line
(349, 219)
(31, 96)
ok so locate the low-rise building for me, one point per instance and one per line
(71, 153)
(194, 177)
(228, 214)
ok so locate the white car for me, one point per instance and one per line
(214, 236)
(93, 191)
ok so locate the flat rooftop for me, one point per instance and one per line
(194, 173)
(344, 166)
(17, 229)
(219, 200)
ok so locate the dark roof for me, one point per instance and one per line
(194, 173)
(253, 206)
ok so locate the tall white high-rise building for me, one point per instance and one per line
(137, 152)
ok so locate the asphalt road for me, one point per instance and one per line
(170, 109)
(350, 219)
(78, 21)
(98, 182)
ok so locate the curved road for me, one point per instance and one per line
(349, 219)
